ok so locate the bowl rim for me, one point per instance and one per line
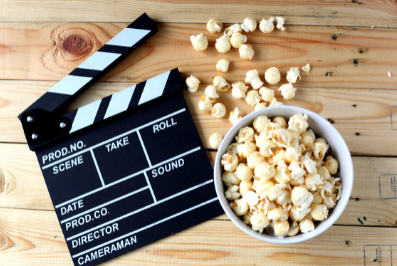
(330, 220)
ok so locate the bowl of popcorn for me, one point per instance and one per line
(283, 174)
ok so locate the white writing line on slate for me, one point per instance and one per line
(126, 178)
(114, 138)
(146, 227)
(141, 209)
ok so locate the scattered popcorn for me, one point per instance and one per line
(249, 24)
(223, 44)
(214, 25)
(235, 116)
(237, 39)
(293, 75)
(205, 104)
(252, 77)
(192, 83)
(215, 140)
(239, 89)
(260, 106)
(389, 74)
(275, 102)
(266, 26)
(267, 94)
(306, 68)
(306, 226)
(233, 29)
(200, 42)
(222, 65)
(218, 110)
(280, 23)
(288, 91)
(246, 51)
(253, 98)
(272, 75)
(280, 177)
(220, 83)
(211, 93)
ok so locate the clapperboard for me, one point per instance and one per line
(126, 170)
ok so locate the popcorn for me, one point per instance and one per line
(288, 91)
(253, 98)
(211, 93)
(246, 149)
(279, 177)
(260, 123)
(294, 229)
(246, 51)
(275, 102)
(281, 121)
(215, 140)
(306, 226)
(298, 123)
(272, 75)
(223, 44)
(205, 104)
(192, 83)
(249, 24)
(293, 75)
(260, 106)
(239, 206)
(222, 65)
(267, 94)
(232, 193)
(245, 134)
(233, 29)
(213, 25)
(332, 165)
(280, 23)
(255, 159)
(264, 171)
(229, 162)
(235, 116)
(252, 77)
(251, 198)
(259, 222)
(319, 212)
(220, 83)
(218, 111)
(306, 68)
(266, 26)
(230, 178)
(200, 42)
(244, 173)
(280, 228)
(245, 186)
(239, 89)
(238, 39)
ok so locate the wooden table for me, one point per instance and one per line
(351, 45)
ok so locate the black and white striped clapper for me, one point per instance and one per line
(126, 170)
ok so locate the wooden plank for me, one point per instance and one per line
(368, 113)
(347, 12)
(340, 57)
(22, 186)
(35, 238)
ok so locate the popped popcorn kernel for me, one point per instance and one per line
(199, 42)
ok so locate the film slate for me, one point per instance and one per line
(126, 170)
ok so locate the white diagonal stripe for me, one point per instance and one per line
(85, 116)
(70, 84)
(154, 87)
(128, 37)
(119, 102)
(99, 60)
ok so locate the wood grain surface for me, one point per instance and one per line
(340, 57)
(310, 12)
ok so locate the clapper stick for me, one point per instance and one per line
(126, 170)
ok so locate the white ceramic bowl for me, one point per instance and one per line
(321, 128)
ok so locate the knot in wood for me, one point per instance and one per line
(77, 44)
(2, 182)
